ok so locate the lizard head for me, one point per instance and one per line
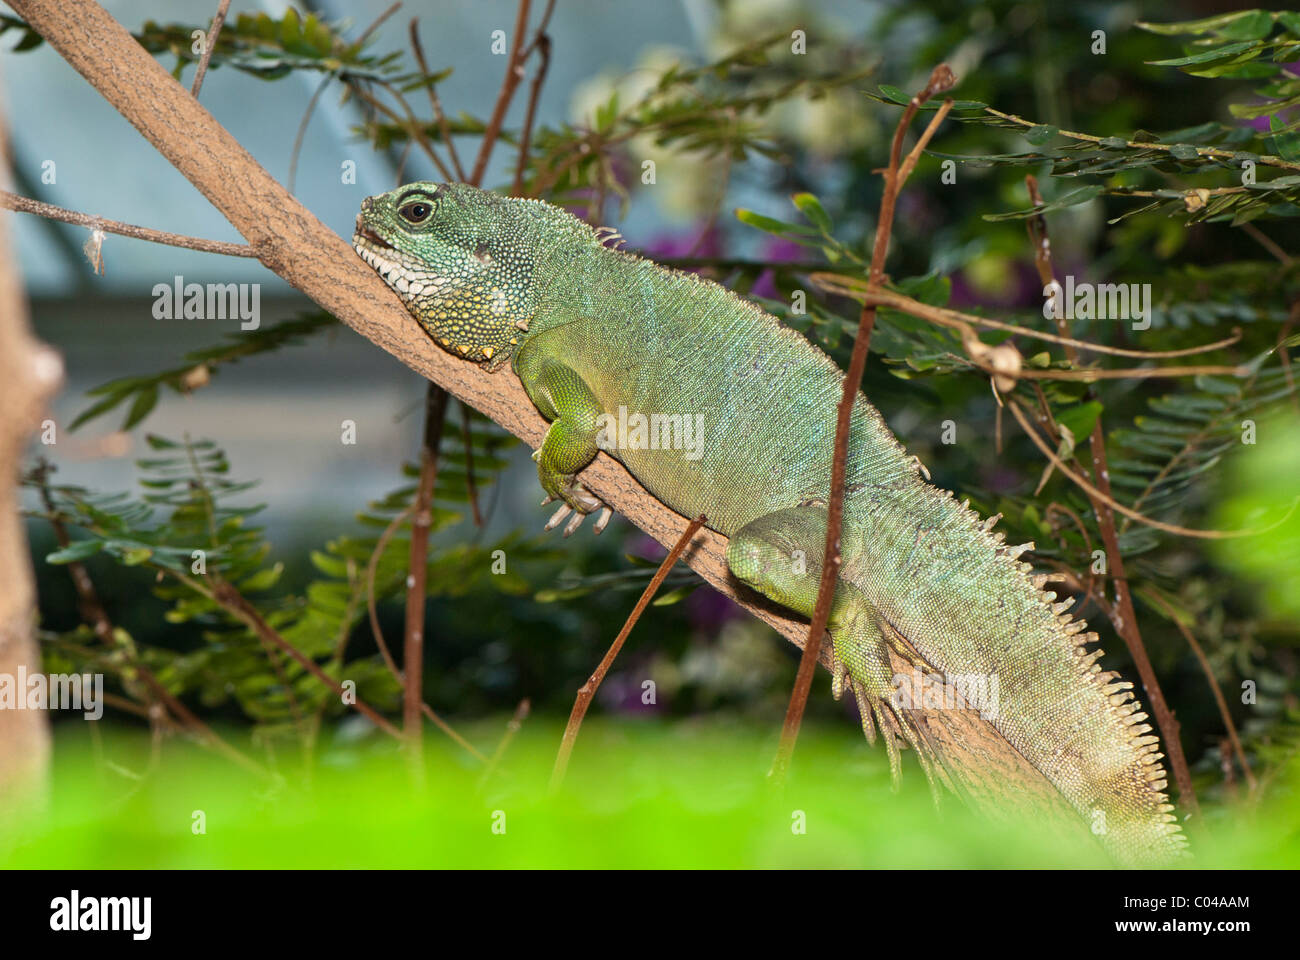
(458, 257)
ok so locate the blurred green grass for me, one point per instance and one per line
(639, 794)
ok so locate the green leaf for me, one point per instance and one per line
(1251, 25)
(77, 550)
(136, 556)
(1080, 419)
(1206, 56)
(262, 580)
(811, 208)
(1073, 198)
(95, 410)
(1217, 24)
(1040, 133)
(145, 401)
(1287, 145)
(894, 94)
(769, 225)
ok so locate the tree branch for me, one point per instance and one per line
(51, 212)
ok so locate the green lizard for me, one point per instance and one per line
(622, 354)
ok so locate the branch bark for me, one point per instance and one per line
(302, 250)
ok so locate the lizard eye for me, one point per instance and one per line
(416, 212)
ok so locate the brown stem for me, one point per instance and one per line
(414, 130)
(1206, 669)
(23, 205)
(213, 32)
(1267, 242)
(435, 414)
(471, 486)
(1104, 506)
(514, 73)
(956, 320)
(544, 50)
(941, 79)
(302, 130)
(588, 690)
(234, 603)
(380, 546)
(435, 102)
(512, 728)
(388, 12)
(1104, 497)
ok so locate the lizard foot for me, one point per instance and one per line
(579, 502)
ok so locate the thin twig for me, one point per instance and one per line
(234, 603)
(365, 34)
(435, 414)
(24, 205)
(1114, 504)
(435, 102)
(302, 129)
(208, 44)
(947, 317)
(512, 728)
(534, 91)
(1267, 242)
(380, 546)
(514, 73)
(1267, 160)
(588, 690)
(941, 79)
(1219, 699)
(471, 485)
(414, 132)
(1123, 616)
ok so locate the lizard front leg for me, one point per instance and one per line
(570, 444)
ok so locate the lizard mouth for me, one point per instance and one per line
(370, 238)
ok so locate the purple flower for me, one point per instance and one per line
(774, 250)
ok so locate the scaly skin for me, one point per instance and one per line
(590, 330)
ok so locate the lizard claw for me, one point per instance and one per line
(558, 516)
(574, 523)
(602, 521)
(576, 499)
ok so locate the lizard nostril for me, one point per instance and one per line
(366, 203)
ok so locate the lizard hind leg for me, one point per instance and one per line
(779, 555)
